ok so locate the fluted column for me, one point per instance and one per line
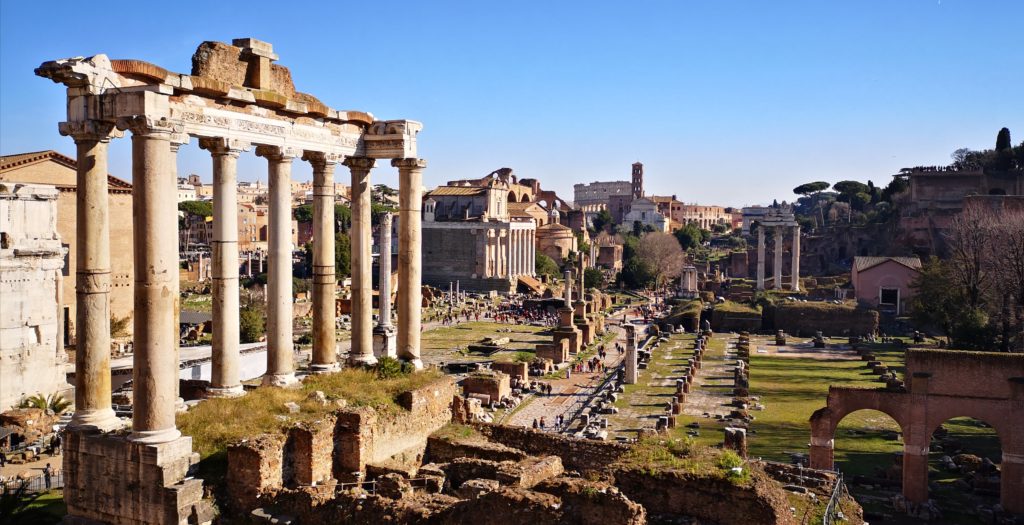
(760, 256)
(362, 263)
(325, 352)
(777, 284)
(533, 252)
(225, 378)
(92, 276)
(410, 276)
(155, 216)
(280, 342)
(795, 265)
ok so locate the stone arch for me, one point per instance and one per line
(512, 196)
(843, 402)
(524, 198)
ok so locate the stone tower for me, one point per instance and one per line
(638, 180)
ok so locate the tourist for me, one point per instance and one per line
(535, 424)
(3, 460)
(48, 475)
(543, 424)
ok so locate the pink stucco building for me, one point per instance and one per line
(885, 281)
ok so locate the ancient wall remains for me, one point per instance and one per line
(804, 319)
(338, 446)
(576, 454)
(32, 358)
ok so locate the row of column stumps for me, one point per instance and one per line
(777, 266)
(154, 175)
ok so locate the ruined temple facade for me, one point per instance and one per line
(470, 237)
(235, 99)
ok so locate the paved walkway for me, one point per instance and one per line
(566, 392)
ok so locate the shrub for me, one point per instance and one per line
(251, 324)
(389, 368)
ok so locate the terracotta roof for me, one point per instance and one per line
(554, 226)
(19, 160)
(457, 191)
(519, 209)
(863, 263)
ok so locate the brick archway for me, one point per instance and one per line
(942, 385)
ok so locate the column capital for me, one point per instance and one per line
(95, 130)
(409, 163)
(321, 161)
(359, 163)
(150, 127)
(278, 153)
(224, 146)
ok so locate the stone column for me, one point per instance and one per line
(155, 215)
(632, 374)
(822, 449)
(384, 337)
(795, 265)
(225, 380)
(410, 277)
(504, 239)
(760, 256)
(915, 471)
(280, 343)
(362, 263)
(384, 286)
(777, 270)
(533, 252)
(92, 276)
(325, 351)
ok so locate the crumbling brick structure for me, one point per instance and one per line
(942, 384)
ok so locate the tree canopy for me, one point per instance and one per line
(811, 187)
(602, 220)
(198, 208)
(545, 265)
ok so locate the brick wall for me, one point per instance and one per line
(576, 454)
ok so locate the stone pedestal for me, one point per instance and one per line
(109, 479)
(568, 331)
(385, 342)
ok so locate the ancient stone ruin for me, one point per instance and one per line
(236, 98)
(941, 384)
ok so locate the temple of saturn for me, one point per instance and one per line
(235, 100)
(779, 221)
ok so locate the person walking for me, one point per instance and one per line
(48, 476)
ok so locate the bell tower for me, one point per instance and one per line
(638, 180)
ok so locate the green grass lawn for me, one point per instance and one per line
(453, 340)
(791, 389)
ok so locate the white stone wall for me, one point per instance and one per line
(32, 359)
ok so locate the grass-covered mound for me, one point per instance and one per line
(215, 423)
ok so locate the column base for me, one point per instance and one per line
(282, 380)
(103, 419)
(180, 406)
(416, 363)
(227, 391)
(154, 437)
(324, 368)
(361, 360)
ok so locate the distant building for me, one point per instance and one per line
(936, 195)
(52, 168)
(885, 282)
(555, 240)
(646, 212)
(703, 216)
(598, 193)
(471, 236)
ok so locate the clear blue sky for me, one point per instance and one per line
(724, 102)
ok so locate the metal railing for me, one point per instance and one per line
(34, 484)
(832, 510)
